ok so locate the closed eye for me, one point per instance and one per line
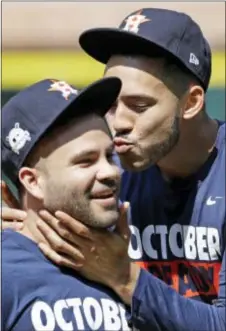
(83, 159)
(139, 103)
(139, 108)
(84, 163)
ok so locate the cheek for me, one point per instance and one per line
(148, 123)
(80, 179)
(155, 120)
(154, 123)
(52, 186)
(60, 190)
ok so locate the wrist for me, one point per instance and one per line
(126, 287)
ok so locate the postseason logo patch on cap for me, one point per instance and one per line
(62, 87)
(134, 21)
(17, 138)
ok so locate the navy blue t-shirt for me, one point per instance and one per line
(37, 295)
(179, 235)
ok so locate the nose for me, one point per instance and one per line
(122, 121)
(108, 171)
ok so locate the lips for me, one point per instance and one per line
(104, 194)
(122, 146)
(120, 142)
(105, 199)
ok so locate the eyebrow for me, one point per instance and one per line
(139, 96)
(84, 153)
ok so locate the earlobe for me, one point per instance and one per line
(194, 103)
(30, 179)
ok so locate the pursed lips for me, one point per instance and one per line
(122, 146)
(121, 141)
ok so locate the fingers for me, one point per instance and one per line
(63, 261)
(16, 226)
(74, 225)
(12, 218)
(11, 214)
(7, 196)
(122, 227)
(54, 223)
(59, 245)
(62, 225)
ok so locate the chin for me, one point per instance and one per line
(143, 158)
(135, 165)
(104, 213)
(108, 219)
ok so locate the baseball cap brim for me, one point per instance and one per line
(98, 97)
(102, 43)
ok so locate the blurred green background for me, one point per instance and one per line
(21, 68)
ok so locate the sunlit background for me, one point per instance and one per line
(40, 40)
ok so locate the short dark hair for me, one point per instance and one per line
(174, 69)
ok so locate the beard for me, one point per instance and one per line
(78, 205)
(159, 150)
(142, 157)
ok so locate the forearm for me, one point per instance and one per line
(155, 304)
(127, 285)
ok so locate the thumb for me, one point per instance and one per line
(122, 227)
(7, 196)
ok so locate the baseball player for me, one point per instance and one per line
(57, 149)
(174, 160)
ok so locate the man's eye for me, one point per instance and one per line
(140, 108)
(85, 163)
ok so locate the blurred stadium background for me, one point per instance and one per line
(40, 39)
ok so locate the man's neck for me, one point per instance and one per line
(192, 151)
(30, 228)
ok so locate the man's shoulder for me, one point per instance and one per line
(11, 249)
(221, 137)
(23, 264)
(216, 173)
(16, 246)
(36, 292)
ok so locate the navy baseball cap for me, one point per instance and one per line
(154, 32)
(29, 114)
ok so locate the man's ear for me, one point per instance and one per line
(31, 180)
(194, 102)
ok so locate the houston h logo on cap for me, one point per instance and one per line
(133, 22)
(62, 87)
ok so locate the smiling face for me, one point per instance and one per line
(77, 175)
(145, 118)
